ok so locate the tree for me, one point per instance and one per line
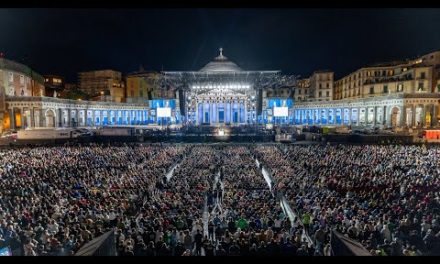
(74, 95)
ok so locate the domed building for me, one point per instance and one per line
(221, 64)
(222, 93)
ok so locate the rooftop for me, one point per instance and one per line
(221, 64)
(18, 67)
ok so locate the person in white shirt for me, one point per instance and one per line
(52, 227)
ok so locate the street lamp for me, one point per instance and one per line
(102, 96)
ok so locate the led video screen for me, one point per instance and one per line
(280, 111)
(162, 103)
(163, 112)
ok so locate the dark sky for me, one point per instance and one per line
(297, 41)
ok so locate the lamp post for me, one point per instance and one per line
(102, 94)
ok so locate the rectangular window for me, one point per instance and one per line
(400, 87)
(422, 75)
(320, 86)
(328, 93)
(328, 85)
(21, 79)
(11, 77)
(438, 88)
(320, 94)
(385, 89)
(372, 90)
(420, 87)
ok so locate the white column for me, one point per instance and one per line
(93, 118)
(210, 112)
(414, 121)
(85, 116)
(32, 117)
(231, 113)
(12, 118)
(434, 115)
(197, 113)
(77, 117)
(244, 112)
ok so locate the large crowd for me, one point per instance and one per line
(56, 199)
(215, 200)
(250, 220)
(386, 197)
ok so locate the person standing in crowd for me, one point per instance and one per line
(198, 242)
(55, 200)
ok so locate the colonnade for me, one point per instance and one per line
(229, 112)
(357, 116)
(66, 117)
(394, 115)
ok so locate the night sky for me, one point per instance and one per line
(296, 41)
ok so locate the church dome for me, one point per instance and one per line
(221, 64)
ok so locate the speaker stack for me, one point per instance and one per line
(182, 102)
(259, 102)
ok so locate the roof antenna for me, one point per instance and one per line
(221, 52)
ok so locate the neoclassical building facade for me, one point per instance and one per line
(404, 110)
(37, 112)
(400, 110)
(219, 94)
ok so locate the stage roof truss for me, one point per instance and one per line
(257, 79)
